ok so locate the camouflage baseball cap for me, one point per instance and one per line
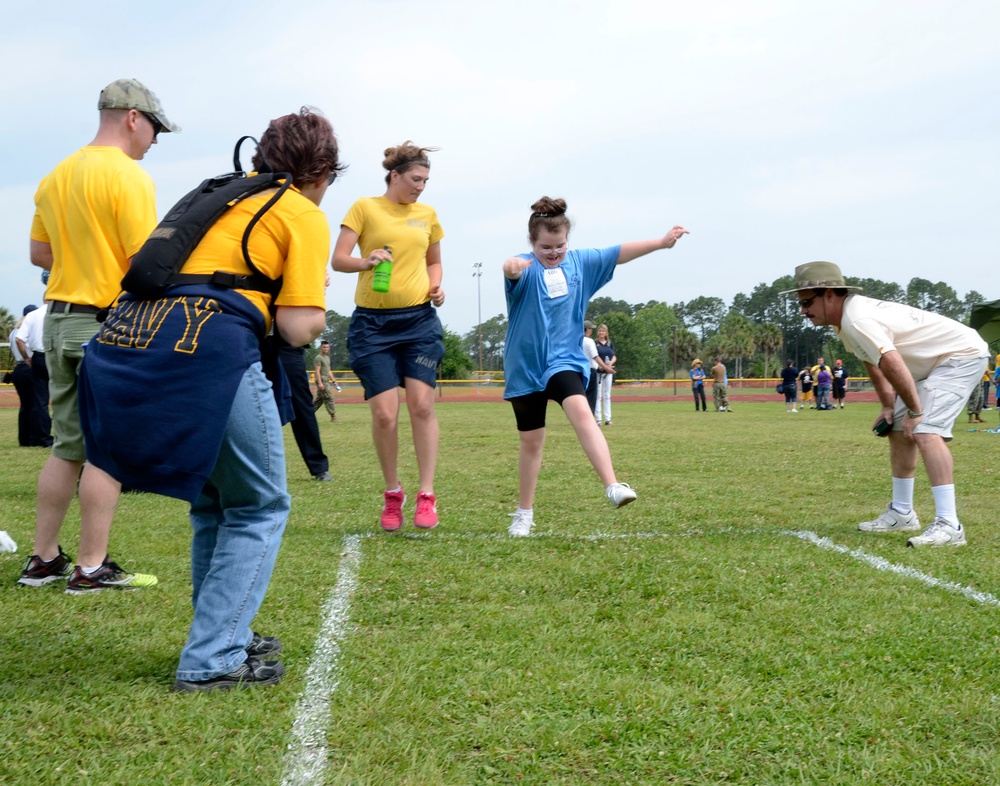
(133, 94)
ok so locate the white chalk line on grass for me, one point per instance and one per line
(305, 757)
(879, 563)
(502, 535)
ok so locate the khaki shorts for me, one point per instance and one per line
(943, 395)
(64, 337)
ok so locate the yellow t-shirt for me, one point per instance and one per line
(95, 209)
(408, 231)
(291, 240)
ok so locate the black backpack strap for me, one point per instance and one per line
(220, 278)
(275, 282)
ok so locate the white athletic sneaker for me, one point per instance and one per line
(891, 521)
(794, 409)
(939, 533)
(620, 494)
(522, 524)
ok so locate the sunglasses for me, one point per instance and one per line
(157, 125)
(807, 302)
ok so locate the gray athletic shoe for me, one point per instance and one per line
(248, 674)
(891, 521)
(939, 533)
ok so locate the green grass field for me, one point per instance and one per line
(690, 638)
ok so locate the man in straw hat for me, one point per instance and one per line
(923, 367)
(92, 213)
(698, 384)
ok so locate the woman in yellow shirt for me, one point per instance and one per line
(395, 338)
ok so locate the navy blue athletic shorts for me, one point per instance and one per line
(529, 410)
(387, 345)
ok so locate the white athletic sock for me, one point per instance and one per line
(902, 495)
(944, 504)
(89, 571)
(522, 512)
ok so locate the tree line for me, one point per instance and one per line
(754, 334)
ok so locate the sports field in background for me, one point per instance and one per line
(731, 626)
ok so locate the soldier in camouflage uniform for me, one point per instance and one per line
(325, 378)
(719, 392)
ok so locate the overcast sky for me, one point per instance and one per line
(781, 132)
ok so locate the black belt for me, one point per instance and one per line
(61, 307)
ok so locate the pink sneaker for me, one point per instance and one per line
(426, 516)
(392, 511)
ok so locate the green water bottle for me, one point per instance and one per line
(382, 274)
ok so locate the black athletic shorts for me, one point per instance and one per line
(530, 409)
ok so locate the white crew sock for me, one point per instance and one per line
(522, 512)
(944, 504)
(902, 495)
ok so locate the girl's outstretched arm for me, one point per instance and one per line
(639, 248)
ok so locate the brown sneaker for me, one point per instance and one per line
(37, 572)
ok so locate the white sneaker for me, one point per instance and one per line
(620, 494)
(794, 409)
(891, 521)
(521, 527)
(939, 533)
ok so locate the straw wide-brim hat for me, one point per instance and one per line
(696, 362)
(818, 275)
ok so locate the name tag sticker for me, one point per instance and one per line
(555, 282)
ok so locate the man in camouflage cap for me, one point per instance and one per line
(132, 94)
(92, 214)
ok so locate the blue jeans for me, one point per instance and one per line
(238, 520)
(823, 396)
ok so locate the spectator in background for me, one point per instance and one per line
(807, 380)
(29, 342)
(92, 214)
(839, 382)
(698, 384)
(590, 352)
(789, 375)
(975, 405)
(986, 389)
(304, 426)
(824, 381)
(24, 384)
(996, 381)
(324, 380)
(720, 387)
(815, 370)
(605, 375)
